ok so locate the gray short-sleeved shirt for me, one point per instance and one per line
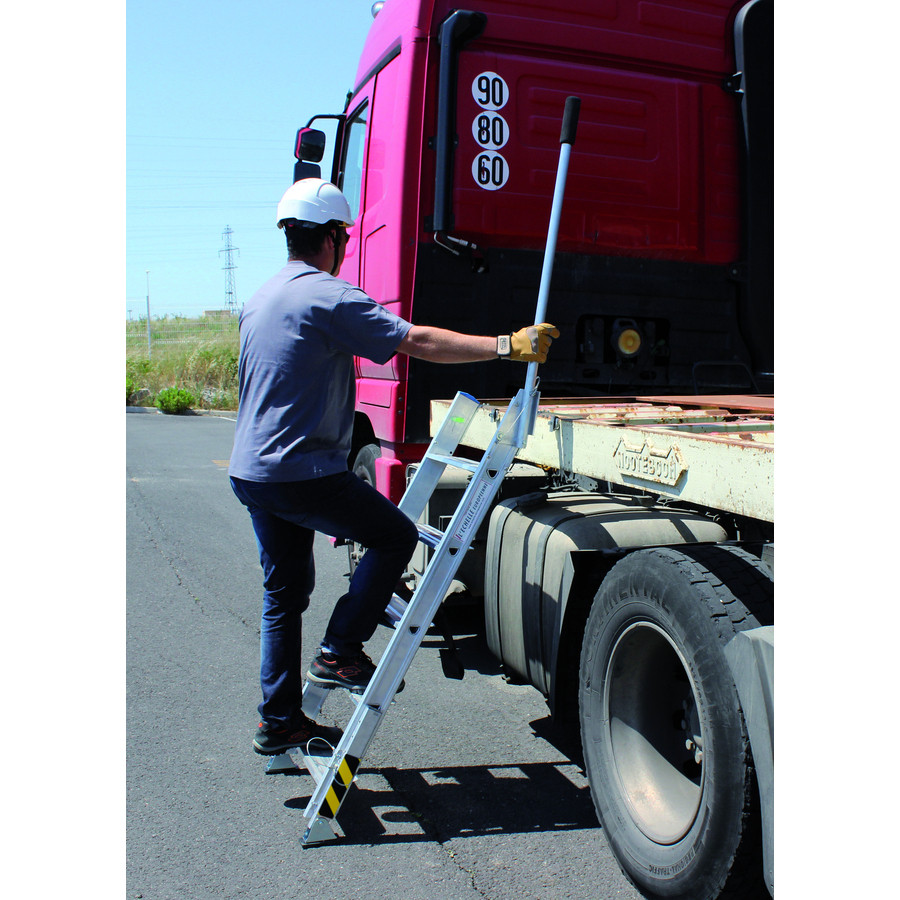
(297, 383)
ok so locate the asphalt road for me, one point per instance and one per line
(465, 792)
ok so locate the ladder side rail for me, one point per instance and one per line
(404, 644)
(464, 524)
(412, 628)
(435, 582)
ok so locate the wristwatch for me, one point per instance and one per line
(504, 345)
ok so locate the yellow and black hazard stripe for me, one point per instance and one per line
(342, 780)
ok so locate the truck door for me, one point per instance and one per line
(372, 177)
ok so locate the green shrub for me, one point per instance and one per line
(129, 386)
(174, 400)
(141, 366)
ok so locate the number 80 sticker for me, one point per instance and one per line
(490, 131)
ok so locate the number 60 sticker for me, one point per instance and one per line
(490, 171)
(490, 130)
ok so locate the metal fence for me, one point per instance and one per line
(172, 331)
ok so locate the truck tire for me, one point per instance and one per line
(665, 745)
(364, 463)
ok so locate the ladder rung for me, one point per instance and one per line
(429, 536)
(395, 609)
(316, 757)
(313, 699)
(457, 461)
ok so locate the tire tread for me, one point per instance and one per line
(736, 588)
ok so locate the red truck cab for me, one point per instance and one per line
(447, 151)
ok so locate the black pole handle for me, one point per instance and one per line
(570, 120)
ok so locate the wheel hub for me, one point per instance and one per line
(655, 732)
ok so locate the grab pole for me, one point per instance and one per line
(566, 140)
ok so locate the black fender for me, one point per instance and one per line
(547, 553)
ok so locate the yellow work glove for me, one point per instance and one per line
(528, 344)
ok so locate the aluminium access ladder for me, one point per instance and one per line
(334, 769)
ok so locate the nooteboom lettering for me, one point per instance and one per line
(645, 464)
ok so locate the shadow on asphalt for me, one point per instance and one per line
(467, 801)
(462, 801)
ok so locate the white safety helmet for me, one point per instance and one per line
(315, 201)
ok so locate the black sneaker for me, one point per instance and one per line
(270, 741)
(350, 672)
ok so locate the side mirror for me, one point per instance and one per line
(310, 145)
(306, 170)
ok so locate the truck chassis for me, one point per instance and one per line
(638, 597)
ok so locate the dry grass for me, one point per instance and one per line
(197, 355)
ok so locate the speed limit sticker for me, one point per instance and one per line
(490, 170)
(490, 91)
(490, 131)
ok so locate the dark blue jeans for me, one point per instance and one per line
(285, 517)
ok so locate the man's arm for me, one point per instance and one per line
(529, 344)
(442, 346)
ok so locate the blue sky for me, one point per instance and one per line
(215, 94)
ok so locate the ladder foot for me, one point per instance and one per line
(281, 763)
(318, 832)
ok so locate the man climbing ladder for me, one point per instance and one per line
(334, 768)
(299, 335)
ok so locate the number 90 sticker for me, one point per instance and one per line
(490, 91)
(490, 131)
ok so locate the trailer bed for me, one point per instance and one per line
(712, 451)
